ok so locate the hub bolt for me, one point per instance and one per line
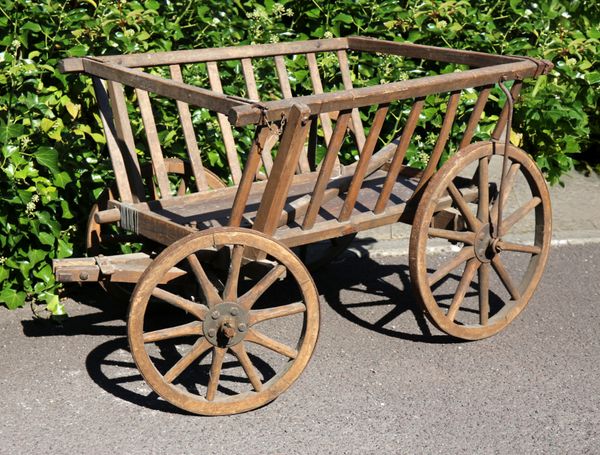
(212, 332)
(242, 327)
(215, 315)
(234, 311)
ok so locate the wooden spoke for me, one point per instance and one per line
(249, 298)
(230, 292)
(210, 292)
(509, 246)
(215, 372)
(465, 254)
(463, 285)
(199, 348)
(484, 293)
(197, 309)
(483, 209)
(240, 352)
(467, 237)
(192, 328)
(505, 277)
(518, 215)
(257, 316)
(254, 336)
(473, 223)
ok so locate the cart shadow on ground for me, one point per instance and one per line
(380, 294)
(383, 300)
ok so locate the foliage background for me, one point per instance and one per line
(52, 144)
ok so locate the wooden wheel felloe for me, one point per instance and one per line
(239, 337)
(491, 271)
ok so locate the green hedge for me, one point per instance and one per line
(52, 144)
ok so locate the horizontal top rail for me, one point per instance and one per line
(440, 54)
(70, 65)
(170, 88)
(487, 69)
(245, 114)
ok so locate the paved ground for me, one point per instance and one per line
(381, 381)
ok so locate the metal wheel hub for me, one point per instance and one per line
(485, 245)
(226, 324)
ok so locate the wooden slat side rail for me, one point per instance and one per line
(226, 131)
(396, 164)
(245, 114)
(286, 91)
(125, 140)
(195, 96)
(442, 139)
(111, 140)
(213, 54)
(471, 58)
(278, 185)
(326, 170)
(262, 134)
(158, 162)
(282, 75)
(475, 116)
(248, 71)
(357, 126)
(514, 91)
(315, 78)
(363, 162)
(189, 135)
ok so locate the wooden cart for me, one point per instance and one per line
(224, 315)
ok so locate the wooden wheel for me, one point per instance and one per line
(210, 353)
(493, 268)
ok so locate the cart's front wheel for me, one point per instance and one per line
(235, 338)
(494, 251)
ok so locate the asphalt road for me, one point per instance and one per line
(382, 379)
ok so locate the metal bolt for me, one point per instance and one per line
(83, 276)
(242, 327)
(215, 315)
(234, 311)
(212, 332)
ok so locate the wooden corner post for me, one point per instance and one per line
(284, 167)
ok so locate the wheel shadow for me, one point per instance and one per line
(110, 364)
(376, 286)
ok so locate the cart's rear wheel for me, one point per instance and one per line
(490, 268)
(238, 337)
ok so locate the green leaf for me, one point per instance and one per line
(593, 77)
(342, 17)
(12, 298)
(78, 51)
(61, 179)
(45, 274)
(48, 157)
(31, 26)
(54, 306)
(46, 238)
